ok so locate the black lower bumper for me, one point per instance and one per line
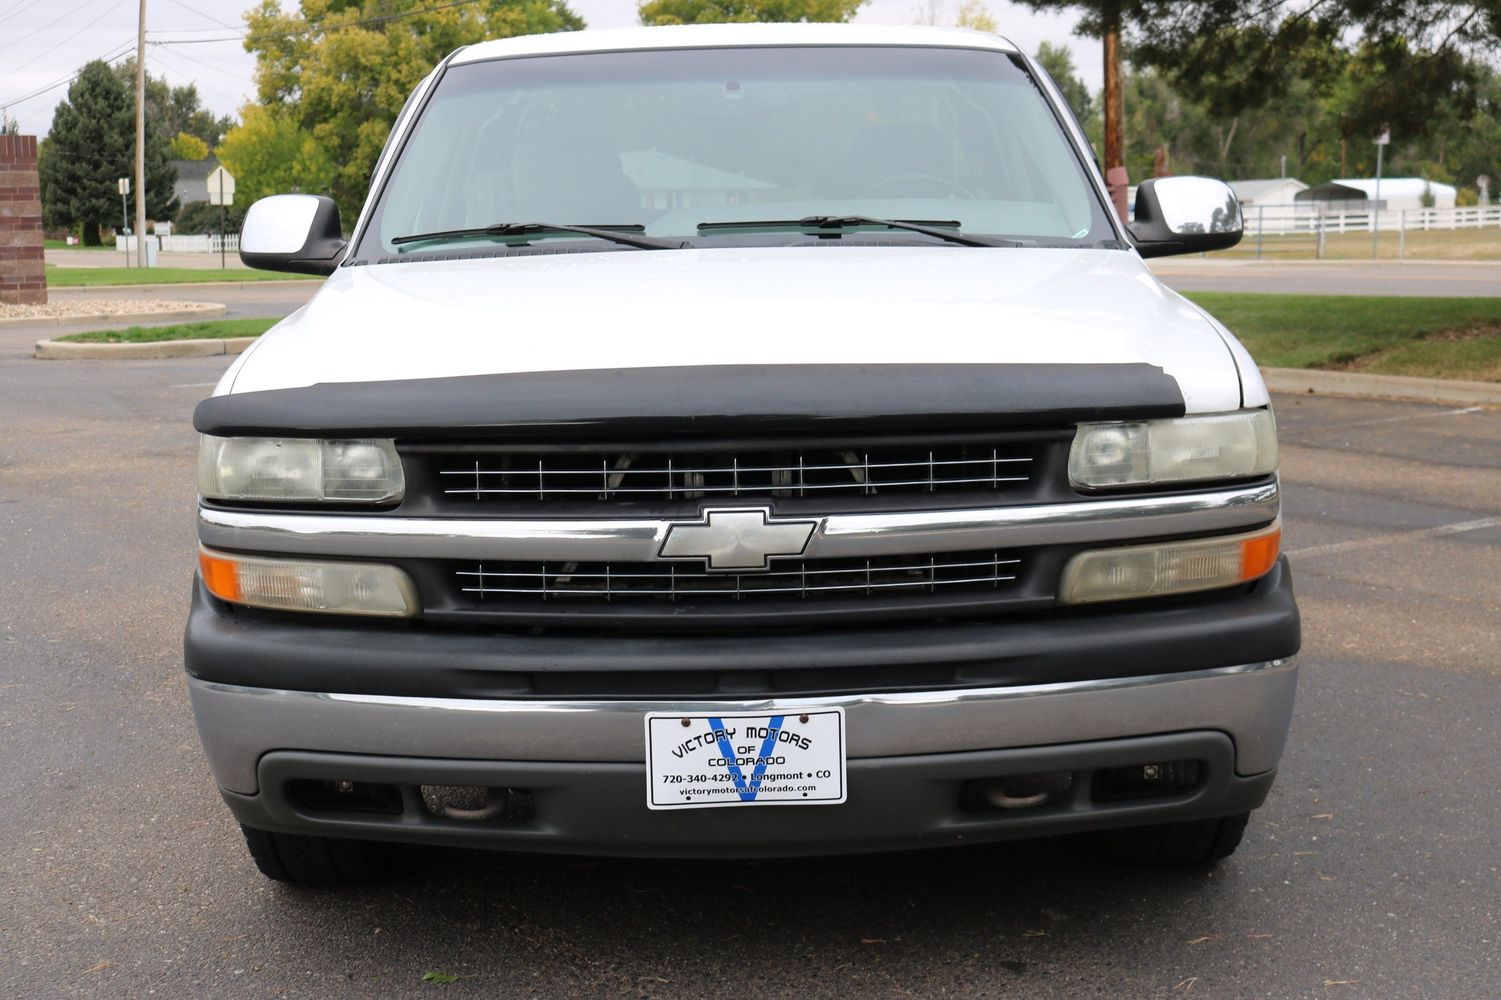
(894, 803)
(1254, 623)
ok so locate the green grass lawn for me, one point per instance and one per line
(63, 245)
(86, 277)
(213, 329)
(1434, 337)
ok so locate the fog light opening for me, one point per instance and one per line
(345, 795)
(477, 803)
(1145, 781)
(1017, 791)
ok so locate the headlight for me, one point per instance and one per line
(299, 470)
(336, 588)
(1188, 449)
(1169, 567)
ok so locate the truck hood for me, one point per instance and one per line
(743, 306)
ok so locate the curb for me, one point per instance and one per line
(61, 350)
(1408, 387)
(206, 309)
(230, 283)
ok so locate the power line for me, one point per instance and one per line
(206, 17)
(197, 62)
(37, 31)
(120, 52)
(16, 9)
(109, 10)
(316, 25)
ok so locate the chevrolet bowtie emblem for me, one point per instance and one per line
(738, 539)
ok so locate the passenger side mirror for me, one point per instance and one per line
(299, 233)
(1185, 215)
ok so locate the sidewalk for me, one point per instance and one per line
(113, 258)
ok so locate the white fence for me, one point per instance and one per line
(1286, 220)
(229, 243)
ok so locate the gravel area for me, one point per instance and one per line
(96, 307)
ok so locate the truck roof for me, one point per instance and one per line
(692, 36)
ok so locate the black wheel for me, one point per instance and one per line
(1180, 845)
(298, 859)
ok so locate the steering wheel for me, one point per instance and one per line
(949, 187)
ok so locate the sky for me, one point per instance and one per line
(43, 42)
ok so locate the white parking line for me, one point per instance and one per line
(1402, 419)
(1398, 536)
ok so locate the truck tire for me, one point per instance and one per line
(1178, 845)
(298, 859)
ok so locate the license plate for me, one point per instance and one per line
(703, 761)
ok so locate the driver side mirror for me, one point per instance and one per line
(299, 233)
(1185, 215)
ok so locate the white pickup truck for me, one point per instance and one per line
(739, 440)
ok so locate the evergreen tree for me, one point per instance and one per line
(90, 147)
(1059, 63)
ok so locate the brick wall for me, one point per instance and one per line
(22, 278)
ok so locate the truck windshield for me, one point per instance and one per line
(684, 142)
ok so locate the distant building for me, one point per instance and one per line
(667, 181)
(192, 179)
(1398, 194)
(1272, 191)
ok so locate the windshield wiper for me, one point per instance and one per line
(615, 234)
(842, 222)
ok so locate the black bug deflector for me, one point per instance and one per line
(697, 399)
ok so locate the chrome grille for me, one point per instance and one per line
(792, 579)
(643, 475)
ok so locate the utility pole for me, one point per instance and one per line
(141, 138)
(1116, 178)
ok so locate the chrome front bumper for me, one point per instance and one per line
(1251, 703)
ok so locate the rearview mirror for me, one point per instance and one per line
(1185, 215)
(299, 233)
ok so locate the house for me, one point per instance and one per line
(192, 179)
(1268, 192)
(1359, 194)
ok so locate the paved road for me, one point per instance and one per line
(1371, 872)
(1445, 278)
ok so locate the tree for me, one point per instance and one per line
(976, 16)
(270, 153)
(971, 14)
(1107, 20)
(201, 217)
(187, 147)
(1059, 63)
(90, 146)
(175, 110)
(722, 11)
(1309, 124)
(340, 71)
(1395, 61)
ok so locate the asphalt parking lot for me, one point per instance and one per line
(1373, 870)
